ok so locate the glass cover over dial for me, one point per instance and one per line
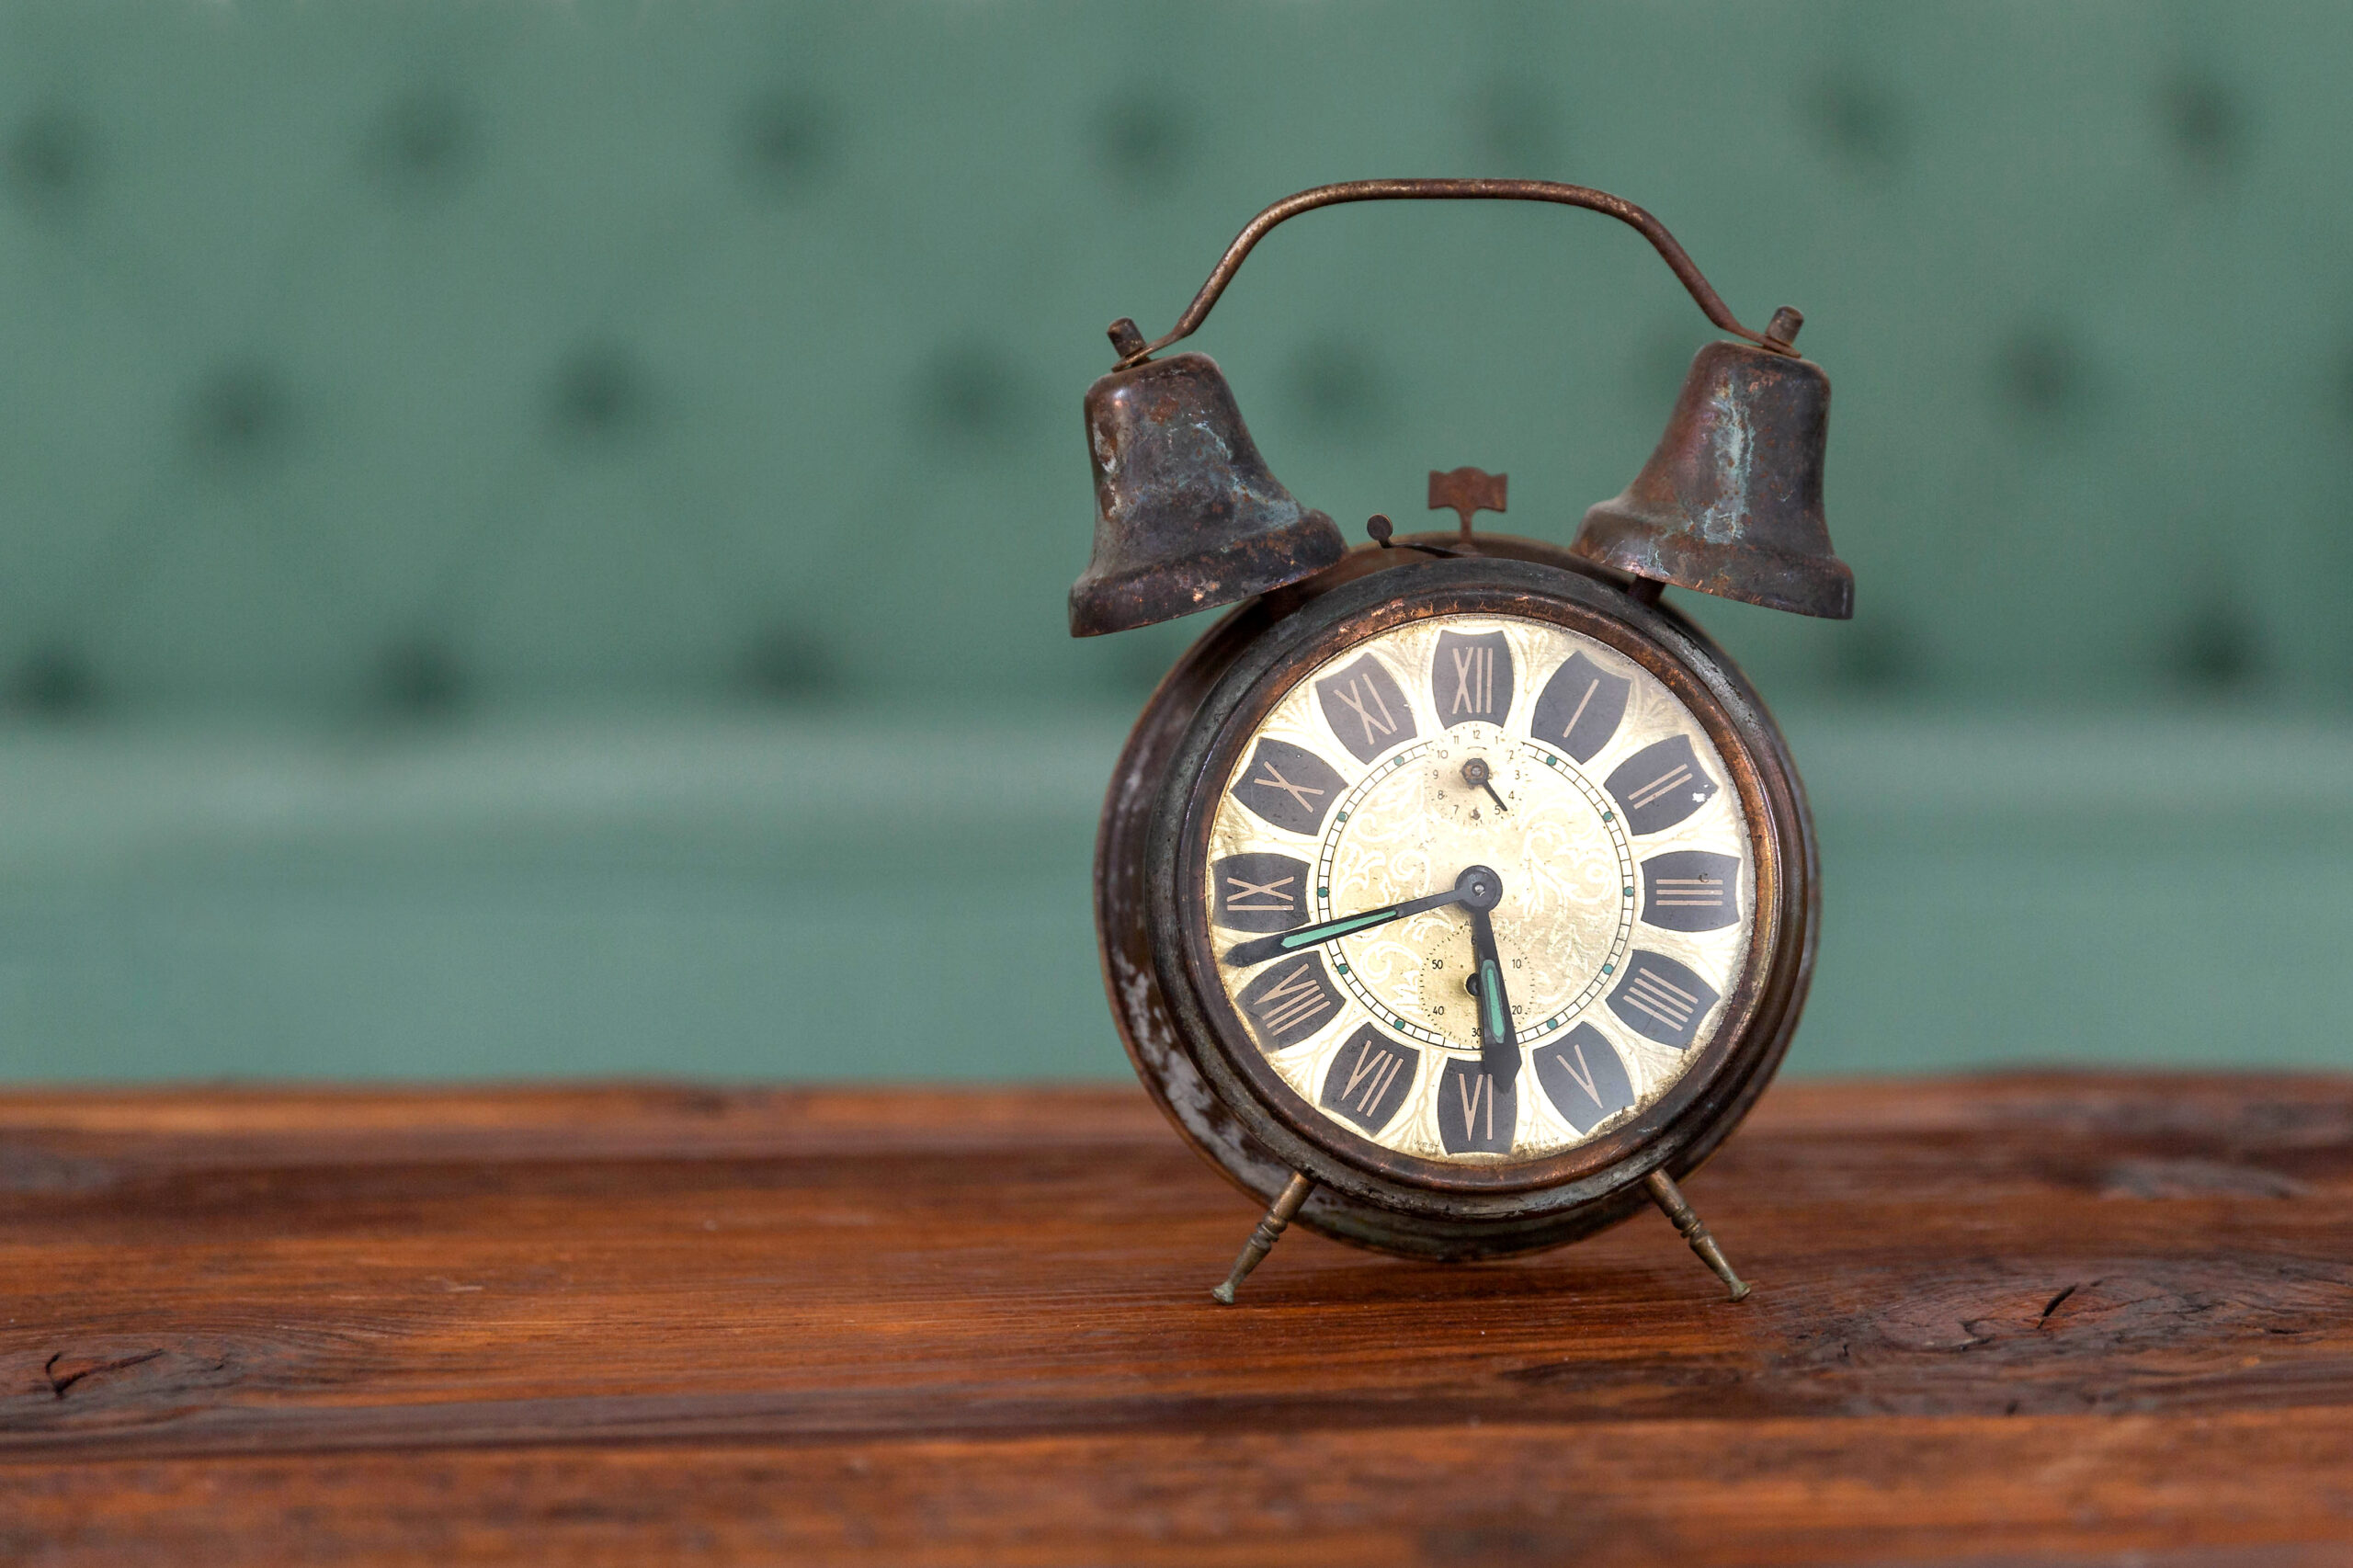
(1479, 887)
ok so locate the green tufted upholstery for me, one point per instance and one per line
(469, 473)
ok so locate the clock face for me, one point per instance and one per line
(1479, 886)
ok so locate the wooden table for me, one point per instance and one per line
(2072, 1319)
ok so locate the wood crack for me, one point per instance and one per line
(58, 1386)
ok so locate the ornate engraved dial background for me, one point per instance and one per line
(1628, 884)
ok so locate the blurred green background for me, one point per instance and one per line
(536, 535)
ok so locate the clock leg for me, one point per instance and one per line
(1669, 1196)
(1262, 1240)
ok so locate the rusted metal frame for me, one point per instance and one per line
(1676, 258)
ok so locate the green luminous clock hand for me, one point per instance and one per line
(1498, 1041)
(1477, 882)
(1260, 949)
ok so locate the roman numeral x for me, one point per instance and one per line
(1238, 890)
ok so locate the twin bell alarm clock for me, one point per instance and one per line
(1456, 894)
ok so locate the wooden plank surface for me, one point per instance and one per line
(2052, 1319)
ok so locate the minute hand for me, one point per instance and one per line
(1264, 947)
(1498, 1039)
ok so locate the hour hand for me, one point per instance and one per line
(1469, 887)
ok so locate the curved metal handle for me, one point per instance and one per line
(1775, 338)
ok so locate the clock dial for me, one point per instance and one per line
(1467, 798)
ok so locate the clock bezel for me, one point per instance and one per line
(1229, 722)
(1184, 1050)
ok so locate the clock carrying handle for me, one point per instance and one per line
(1133, 350)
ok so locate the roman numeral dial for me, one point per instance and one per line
(1662, 1000)
(1691, 890)
(1288, 786)
(1471, 891)
(1585, 1079)
(1291, 1001)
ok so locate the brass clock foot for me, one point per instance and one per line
(1262, 1240)
(1669, 1197)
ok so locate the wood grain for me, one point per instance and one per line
(2065, 1319)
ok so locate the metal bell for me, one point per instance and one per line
(1186, 516)
(1731, 502)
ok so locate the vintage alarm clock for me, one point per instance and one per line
(1455, 895)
